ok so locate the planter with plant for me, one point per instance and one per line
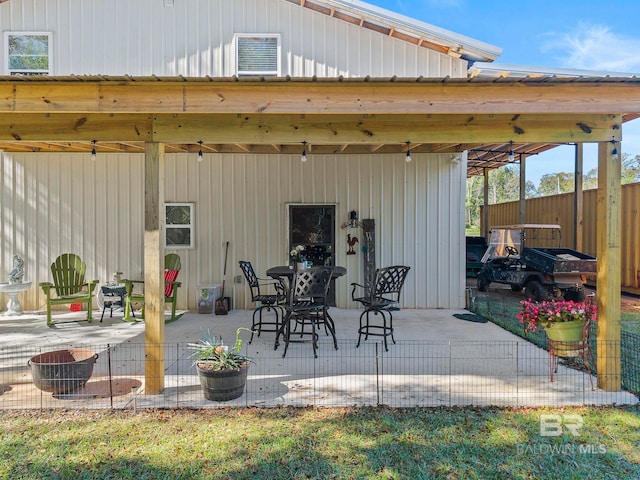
(563, 321)
(297, 257)
(222, 369)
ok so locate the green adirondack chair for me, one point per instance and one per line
(69, 285)
(172, 266)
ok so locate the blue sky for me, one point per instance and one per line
(588, 34)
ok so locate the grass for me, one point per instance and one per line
(376, 443)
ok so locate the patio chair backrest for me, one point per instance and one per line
(172, 266)
(310, 283)
(68, 272)
(388, 283)
(252, 278)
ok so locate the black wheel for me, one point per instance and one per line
(483, 283)
(575, 295)
(516, 288)
(535, 291)
(511, 250)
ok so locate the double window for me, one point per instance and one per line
(28, 53)
(179, 219)
(257, 54)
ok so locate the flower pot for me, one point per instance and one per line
(301, 266)
(566, 337)
(223, 385)
(62, 371)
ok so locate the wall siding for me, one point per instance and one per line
(194, 38)
(57, 203)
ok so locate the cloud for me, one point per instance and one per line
(595, 47)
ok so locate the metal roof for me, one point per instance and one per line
(404, 28)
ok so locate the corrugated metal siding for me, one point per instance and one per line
(195, 38)
(559, 209)
(56, 203)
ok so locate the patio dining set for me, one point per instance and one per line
(293, 303)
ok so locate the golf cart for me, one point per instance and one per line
(529, 257)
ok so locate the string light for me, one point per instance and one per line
(200, 151)
(408, 158)
(93, 150)
(303, 157)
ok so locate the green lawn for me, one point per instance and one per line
(376, 443)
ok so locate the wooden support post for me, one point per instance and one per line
(578, 199)
(522, 217)
(485, 216)
(608, 254)
(154, 267)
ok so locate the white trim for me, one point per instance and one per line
(49, 36)
(276, 72)
(190, 226)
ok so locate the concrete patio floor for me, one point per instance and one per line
(437, 360)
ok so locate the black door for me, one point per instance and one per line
(313, 227)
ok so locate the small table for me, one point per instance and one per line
(288, 271)
(112, 296)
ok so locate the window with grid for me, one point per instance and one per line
(28, 53)
(257, 54)
(179, 218)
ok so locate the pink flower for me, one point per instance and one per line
(534, 314)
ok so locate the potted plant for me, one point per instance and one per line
(297, 257)
(564, 321)
(222, 369)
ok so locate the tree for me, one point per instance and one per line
(630, 169)
(504, 186)
(629, 172)
(556, 183)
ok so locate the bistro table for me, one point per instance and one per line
(287, 272)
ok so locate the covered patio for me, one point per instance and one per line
(438, 360)
(279, 115)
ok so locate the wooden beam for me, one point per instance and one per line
(381, 129)
(154, 267)
(608, 235)
(316, 129)
(305, 96)
(42, 127)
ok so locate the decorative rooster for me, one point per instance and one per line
(351, 241)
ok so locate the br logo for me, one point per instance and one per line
(554, 425)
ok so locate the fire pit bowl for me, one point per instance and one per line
(62, 371)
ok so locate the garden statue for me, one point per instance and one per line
(17, 273)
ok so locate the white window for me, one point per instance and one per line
(257, 54)
(179, 218)
(28, 53)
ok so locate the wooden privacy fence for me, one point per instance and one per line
(559, 209)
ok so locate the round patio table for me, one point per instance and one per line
(287, 271)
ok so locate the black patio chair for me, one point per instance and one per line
(381, 298)
(269, 301)
(307, 308)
